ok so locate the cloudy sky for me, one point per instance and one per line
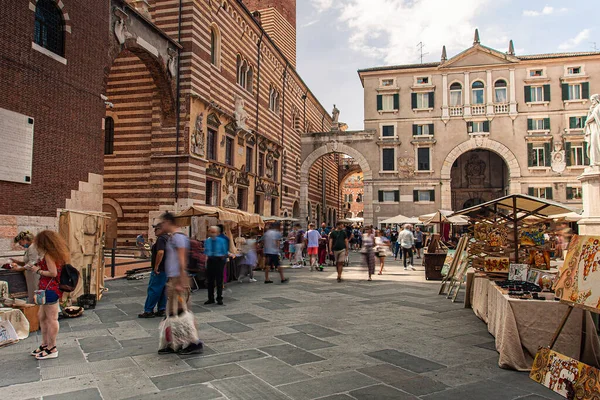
(338, 37)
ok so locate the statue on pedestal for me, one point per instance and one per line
(335, 119)
(592, 130)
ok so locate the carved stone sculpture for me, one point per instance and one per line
(240, 114)
(475, 171)
(335, 115)
(197, 138)
(121, 31)
(559, 160)
(592, 130)
(230, 200)
(332, 147)
(406, 166)
(269, 165)
(172, 64)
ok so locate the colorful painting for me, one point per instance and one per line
(539, 259)
(579, 278)
(518, 272)
(480, 231)
(496, 264)
(497, 237)
(535, 276)
(532, 237)
(568, 377)
(448, 262)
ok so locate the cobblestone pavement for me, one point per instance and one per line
(393, 338)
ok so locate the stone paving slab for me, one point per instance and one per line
(231, 326)
(182, 379)
(99, 343)
(227, 358)
(291, 355)
(125, 383)
(86, 394)
(305, 341)
(380, 392)
(247, 319)
(315, 330)
(247, 388)
(320, 387)
(273, 371)
(406, 361)
(196, 392)
(488, 389)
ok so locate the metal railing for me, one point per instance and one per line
(124, 252)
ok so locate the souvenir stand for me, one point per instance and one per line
(508, 239)
(199, 218)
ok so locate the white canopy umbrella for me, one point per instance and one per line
(401, 219)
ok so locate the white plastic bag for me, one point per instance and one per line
(8, 335)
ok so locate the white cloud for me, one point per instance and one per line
(547, 10)
(309, 23)
(576, 41)
(322, 5)
(391, 29)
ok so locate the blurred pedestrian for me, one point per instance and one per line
(157, 285)
(272, 242)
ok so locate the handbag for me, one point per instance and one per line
(178, 330)
(39, 296)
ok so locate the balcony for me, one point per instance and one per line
(456, 111)
(478, 109)
(501, 108)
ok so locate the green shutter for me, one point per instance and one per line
(547, 154)
(413, 100)
(381, 196)
(379, 102)
(546, 92)
(583, 121)
(396, 101)
(547, 123)
(415, 196)
(549, 193)
(527, 94)
(431, 100)
(569, 193)
(486, 126)
(572, 123)
(432, 195)
(415, 130)
(585, 90)
(530, 191)
(565, 91)
(529, 124)
(396, 196)
(568, 153)
(431, 130)
(530, 154)
(586, 157)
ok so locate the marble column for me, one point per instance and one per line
(467, 92)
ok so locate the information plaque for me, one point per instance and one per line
(16, 151)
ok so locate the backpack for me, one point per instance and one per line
(69, 277)
(300, 237)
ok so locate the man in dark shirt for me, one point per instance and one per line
(394, 240)
(157, 293)
(338, 245)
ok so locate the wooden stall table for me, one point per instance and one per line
(18, 321)
(522, 326)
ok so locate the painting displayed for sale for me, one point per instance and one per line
(448, 262)
(565, 376)
(496, 264)
(481, 230)
(579, 277)
(532, 237)
(518, 272)
(539, 259)
(497, 237)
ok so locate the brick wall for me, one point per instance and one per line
(63, 99)
(287, 8)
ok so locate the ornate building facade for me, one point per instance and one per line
(230, 134)
(479, 125)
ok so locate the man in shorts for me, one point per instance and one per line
(338, 245)
(418, 241)
(271, 240)
(312, 237)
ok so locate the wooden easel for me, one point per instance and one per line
(449, 278)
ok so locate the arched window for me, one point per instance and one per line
(49, 27)
(500, 91)
(109, 135)
(478, 92)
(242, 71)
(274, 100)
(215, 46)
(456, 94)
(249, 79)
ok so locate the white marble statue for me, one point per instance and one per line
(559, 160)
(592, 130)
(335, 115)
(240, 114)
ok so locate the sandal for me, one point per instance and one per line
(47, 354)
(379, 273)
(39, 350)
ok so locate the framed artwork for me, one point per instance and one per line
(497, 237)
(539, 259)
(532, 237)
(518, 272)
(448, 262)
(535, 276)
(496, 264)
(480, 231)
(568, 377)
(578, 280)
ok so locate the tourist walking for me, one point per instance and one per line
(249, 260)
(140, 242)
(178, 285)
(271, 241)
(216, 248)
(418, 241)
(323, 242)
(394, 243)
(299, 246)
(407, 243)
(157, 286)
(368, 245)
(312, 239)
(338, 247)
(56, 255)
(25, 240)
(382, 245)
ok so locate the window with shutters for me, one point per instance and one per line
(388, 131)
(211, 144)
(537, 94)
(423, 130)
(424, 159)
(478, 93)
(49, 31)
(388, 102)
(212, 192)
(389, 196)
(422, 100)
(424, 195)
(388, 160)
(538, 158)
(538, 124)
(574, 92)
(577, 122)
(456, 95)
(478, 127)
(574, 193)
(577, 155)
(541, 192)
(109, 136)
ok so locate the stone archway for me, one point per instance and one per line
(337, 147)
(514, 171)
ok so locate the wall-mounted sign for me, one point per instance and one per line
(16, 154)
